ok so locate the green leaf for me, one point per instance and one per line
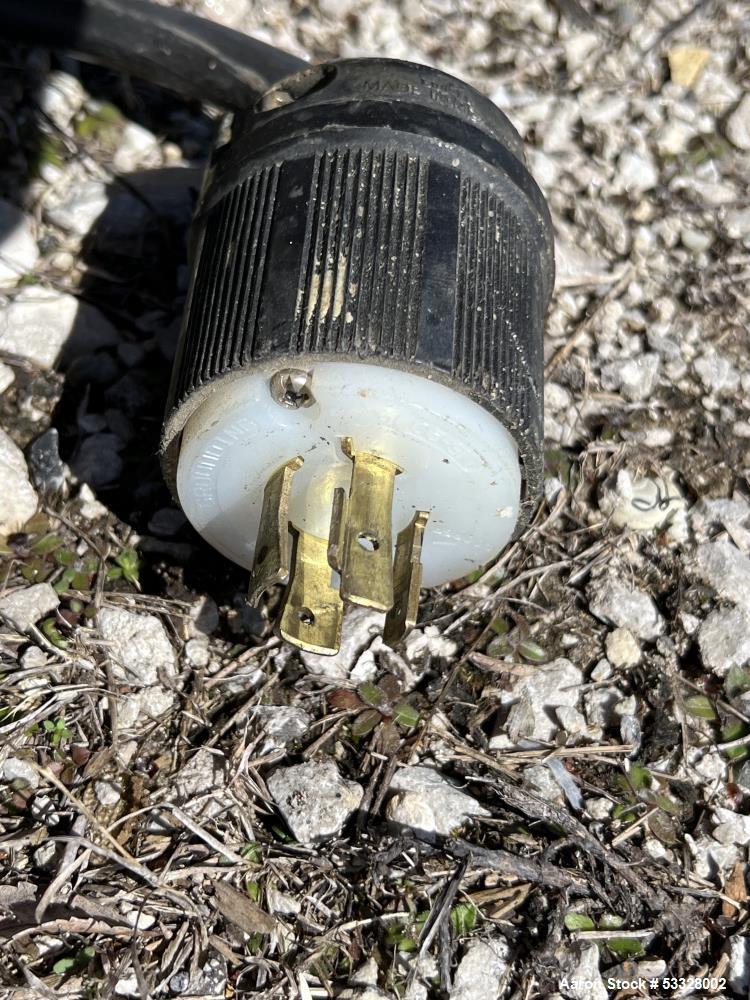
(464, 918)
(253, 890)
(58, 730)
(80, 581)
(371, 694)
(47, 544)
(102, 125)
(35, 571)
(365, 723)
(281, 834)
(64, 557)
(640, 777)
(63, 965)
(255, 942)
(405, 714)
(665, 803)
(51, 150)
(624, 812)
(611, 922)
(50, 630)
(500, 647)
(700, 706)
(404, 934)
(406, 944)
(36, 525)
(733, 730)
(531, 650)
(130, 564)
(500, 626)
(625, 947)
(579, 922)
(252, 851)
(65, 580)
(737, 682)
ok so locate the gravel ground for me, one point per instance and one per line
(545, 788)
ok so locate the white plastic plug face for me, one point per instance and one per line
(458, 462)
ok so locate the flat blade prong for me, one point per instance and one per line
(407, 580)
(272, 563)
(367, 558)
(313, 609)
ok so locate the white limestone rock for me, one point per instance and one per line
(15, 769)
(7, 377)
(636, 172)
(138, 148)
(25, 607)
(90, 507)
(724, 639)
(141, 707)
(642, 502)
(139, 647)
(429, 641)
(280, 725)
(731, 827)
(712, 860)
(535, 699)
(738, 973)
(79, 206)
(481, 972)
(738, 124)
(716, 372)
(633, 377)
(40, 323)
(199, 785)
(722, 566)
(360, 627)
(60, 97)
(426, 802)
(18, 501)
(621, 604)
(18, 250)
(622, 648)
(579, 967)
(314, 799)
(108, 793)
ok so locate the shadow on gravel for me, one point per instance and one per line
(134, 276)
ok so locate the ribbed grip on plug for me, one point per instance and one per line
(393, 226)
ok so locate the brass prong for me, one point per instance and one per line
(407, 579)
(313, 609)
(338, 529)
(273, 551)
(366, 559)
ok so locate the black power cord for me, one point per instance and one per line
(196, 58)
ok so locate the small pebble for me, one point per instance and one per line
(622, 648)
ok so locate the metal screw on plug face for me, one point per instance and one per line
(290, 387)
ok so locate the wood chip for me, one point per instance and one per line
(686, 63)
(736, 888)
(240, 910)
